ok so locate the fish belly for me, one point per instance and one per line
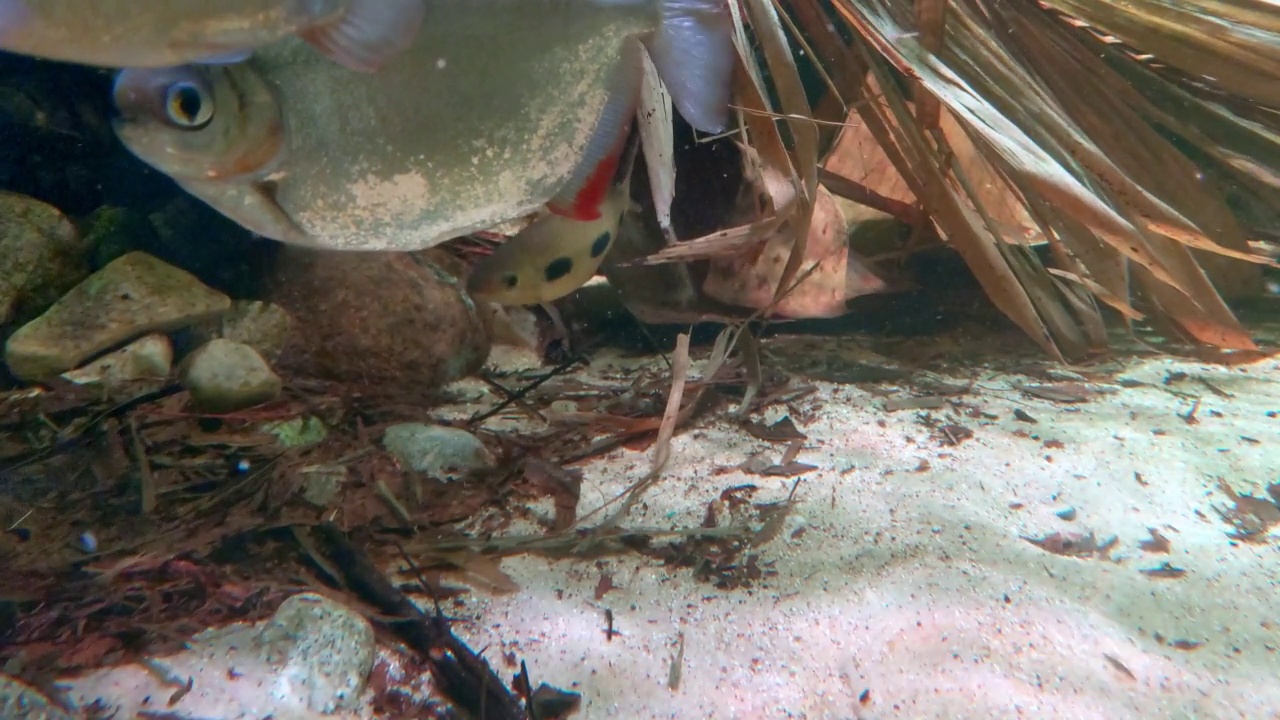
(482, 121)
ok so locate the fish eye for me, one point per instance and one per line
(510, 280)
(188, 105)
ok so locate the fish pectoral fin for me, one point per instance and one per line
(251, 205)
(369, 32)
(693, 52)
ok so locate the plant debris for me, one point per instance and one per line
(1067, 392)
(1164, 571)
(1073, 544)
(1119, 666)
(784, 430)
(1157, 544)
(1251, 518)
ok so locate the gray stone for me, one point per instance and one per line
(19, 701)
(261, 325)
(324, 651)
(142, 365)
(134, 295)
(322, 483)
(43, 256)
(224, 376)
(443, 453)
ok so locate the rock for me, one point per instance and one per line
(296, 432)
(134, 295)
(224, 376)
(44, 256)
(19, 701)
(389, 321)
(443, 453)
(323, 649)
(142, 365)
(322, 483)
(262, 326)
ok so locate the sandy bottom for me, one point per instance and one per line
(904, 587)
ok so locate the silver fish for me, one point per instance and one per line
(360, 34)
(497, 109)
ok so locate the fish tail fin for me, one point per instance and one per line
(588, 186)
(694, 54)
(369, 32)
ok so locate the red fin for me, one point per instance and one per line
(585, 205)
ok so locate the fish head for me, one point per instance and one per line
(218, 130)
(200, 121)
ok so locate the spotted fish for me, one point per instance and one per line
(553, 256)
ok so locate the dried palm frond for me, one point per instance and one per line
(1008, 95)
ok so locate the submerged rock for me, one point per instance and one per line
(265, 327)
(134, 295)
(224, 376)
(443, 453)
(322, 648)
(378, 319)
(143, 364)
(41, 256)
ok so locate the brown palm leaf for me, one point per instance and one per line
(1021, 117)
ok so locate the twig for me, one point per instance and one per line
(147, 481)
(863, 195)
(462, 675)
(662, 447)
(524, 391)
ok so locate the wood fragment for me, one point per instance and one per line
(1115, 663)
(1165, 571)
(146, 480)
(461, 675)
(1157, 544)
(929, 402)
(677, 666)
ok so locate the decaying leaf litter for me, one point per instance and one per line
(996, 150)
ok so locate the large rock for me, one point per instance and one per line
(379, 319)
(41, 256)
(132, 296)
(224, 376)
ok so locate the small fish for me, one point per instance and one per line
(360, 34)
(550, 258)
(496, 110)
(557, 253)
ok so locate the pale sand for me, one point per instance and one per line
(915, 586)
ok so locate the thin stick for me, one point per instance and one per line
(147, 481)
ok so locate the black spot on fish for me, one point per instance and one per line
(557, 268)
(601, 244)
(510, 280)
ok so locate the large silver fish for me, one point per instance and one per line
(361, 34)
(497, 108)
